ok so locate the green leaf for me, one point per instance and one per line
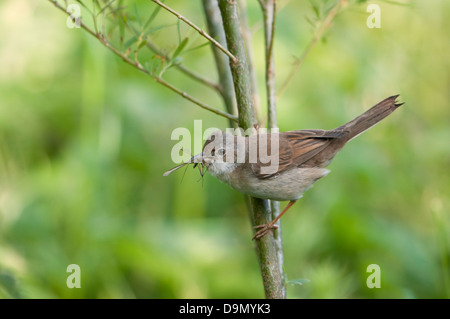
(179, 31)
(152, 16)
(141, 44)
(316, 10)
(121, 23)
(158, 28)
(138, 18)
(310, 21)
(127, 21)
(197, 47)
(180, 48)
(155, 65)
(131, 41)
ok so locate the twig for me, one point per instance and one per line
(259, 24)
(269, 13)
(106, 6)
(94, 16)
(215, 29)
(192, 25)
(137, 65)
(269, 9)
(325, 24)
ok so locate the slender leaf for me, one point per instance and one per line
(310, 21)
(138, 18)
(180, 48)
(121, 24)
(152, 30)
(141, 44)
(179, 31)
(128, 23)
(197, 47)
(132, 40)
(152, 16)
(316, 11)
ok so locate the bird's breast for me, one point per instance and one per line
(289, 185)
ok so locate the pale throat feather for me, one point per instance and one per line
(222, 170)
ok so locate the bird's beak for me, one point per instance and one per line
(194, 160)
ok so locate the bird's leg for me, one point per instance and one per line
(266, 227)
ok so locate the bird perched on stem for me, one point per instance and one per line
(281, 166)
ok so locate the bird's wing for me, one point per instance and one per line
(295, 148)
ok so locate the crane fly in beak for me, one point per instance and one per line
(197, 159)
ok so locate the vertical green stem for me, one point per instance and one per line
(247, 36)
(239, 67)
(269, 14)
(266, 246)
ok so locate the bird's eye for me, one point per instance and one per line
(220, 151)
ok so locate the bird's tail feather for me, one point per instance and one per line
(371, 117)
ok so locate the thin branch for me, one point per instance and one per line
(269, 13)
(269, 9)
(266, 246)
(271, 24)
(137, 65)
(259, 24)
(324, 25)
(94, 16)
(106, 6)
(192, 25)
(215, 29)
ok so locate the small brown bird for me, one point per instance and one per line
(297, 158)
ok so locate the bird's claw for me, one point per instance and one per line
(264, 229)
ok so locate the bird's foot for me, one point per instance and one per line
(264, 229)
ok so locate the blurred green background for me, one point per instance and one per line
(85, 138)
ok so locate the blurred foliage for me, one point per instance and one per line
(85, 138)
